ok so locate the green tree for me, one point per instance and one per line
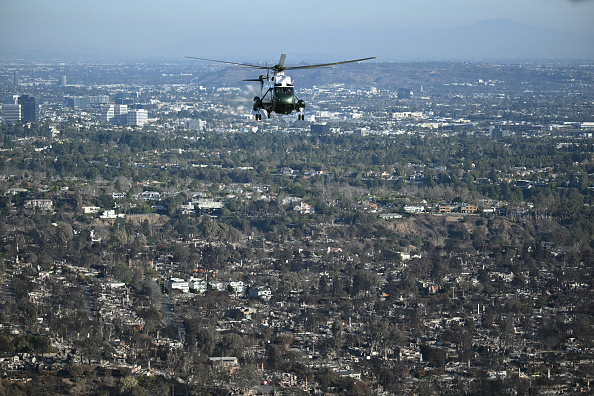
(129, 387)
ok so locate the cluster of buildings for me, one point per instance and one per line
(119, 114)
(24, 108)
(20, 108)
(235, 288)
(447, 105)
(83, 102)
(201, 204)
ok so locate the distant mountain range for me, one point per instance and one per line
(486, 40)
(496, 39)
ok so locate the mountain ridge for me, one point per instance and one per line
(485, 40)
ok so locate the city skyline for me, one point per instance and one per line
(308, 29)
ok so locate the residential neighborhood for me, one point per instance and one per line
(434, 239)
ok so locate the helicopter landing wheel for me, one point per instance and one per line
(268, 115)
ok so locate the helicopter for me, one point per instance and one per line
(277, 89)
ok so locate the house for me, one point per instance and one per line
(216, 285)
(91, 209)
(288, 171)
(207, 204)
(115, 285)
(227, 363)
(150, 195)
(469, 209)
(489, 211)
(110, 214)
(349, 373)
(178, 284)
(526, 184)
(260, 293)
(428, 287)
(304, 208)
(414, 208)
(224, 361)
(187, 207)
(15, 191)
(43, 204)
(237, 286)
(314, 173)
(445, 209)
(407, 256)
(199, 285)
(390, 216)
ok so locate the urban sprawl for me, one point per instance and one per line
(427, 229)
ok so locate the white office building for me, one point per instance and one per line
(98, 99)
(114, 114)
(137, 117)
(107, 114)
(197, 125)
(11, 113)
(117, 114)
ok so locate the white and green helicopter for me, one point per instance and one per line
(277, 90)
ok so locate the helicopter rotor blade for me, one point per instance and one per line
(231, 63)
(261, 78)
(280, 67)
(328, 64)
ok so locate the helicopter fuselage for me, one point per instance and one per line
(278, 96)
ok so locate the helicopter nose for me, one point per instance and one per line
(287, 99)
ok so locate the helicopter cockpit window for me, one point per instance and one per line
(284, 90)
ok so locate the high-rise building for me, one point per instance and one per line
(498, 133)
(20, 108)
(124, 101)
(137, 117)
(107, 113)
(98, 99)
(120, 114)
(403, 93)
(11, 113)
(77, 102)
(29, 110)
(114, 114)
(11, 110)
(195, 124)
(320, 129)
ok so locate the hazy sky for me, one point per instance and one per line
(149, 27)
